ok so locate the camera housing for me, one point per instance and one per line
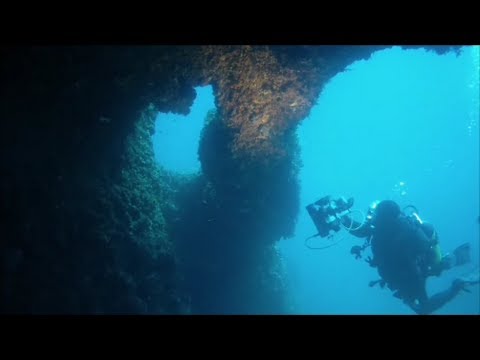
(326, 213)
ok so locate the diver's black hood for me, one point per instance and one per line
(387, 210)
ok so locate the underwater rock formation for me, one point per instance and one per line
(130, 217)
(230, 220)
(78, 185)
(91, 226)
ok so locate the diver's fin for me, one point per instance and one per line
(462, 254)
(473, 278)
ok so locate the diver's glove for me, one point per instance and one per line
(371, 261)
(357, 251)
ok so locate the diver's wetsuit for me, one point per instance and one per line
(400, 250)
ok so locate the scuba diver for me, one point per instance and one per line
(405, 249)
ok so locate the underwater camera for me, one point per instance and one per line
(326, 213)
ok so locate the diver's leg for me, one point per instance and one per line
(429, 305)
(419, 304)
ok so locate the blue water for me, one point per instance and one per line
(401, 125)
(176, 138)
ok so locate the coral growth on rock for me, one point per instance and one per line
(259, 98)
(130, 218)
